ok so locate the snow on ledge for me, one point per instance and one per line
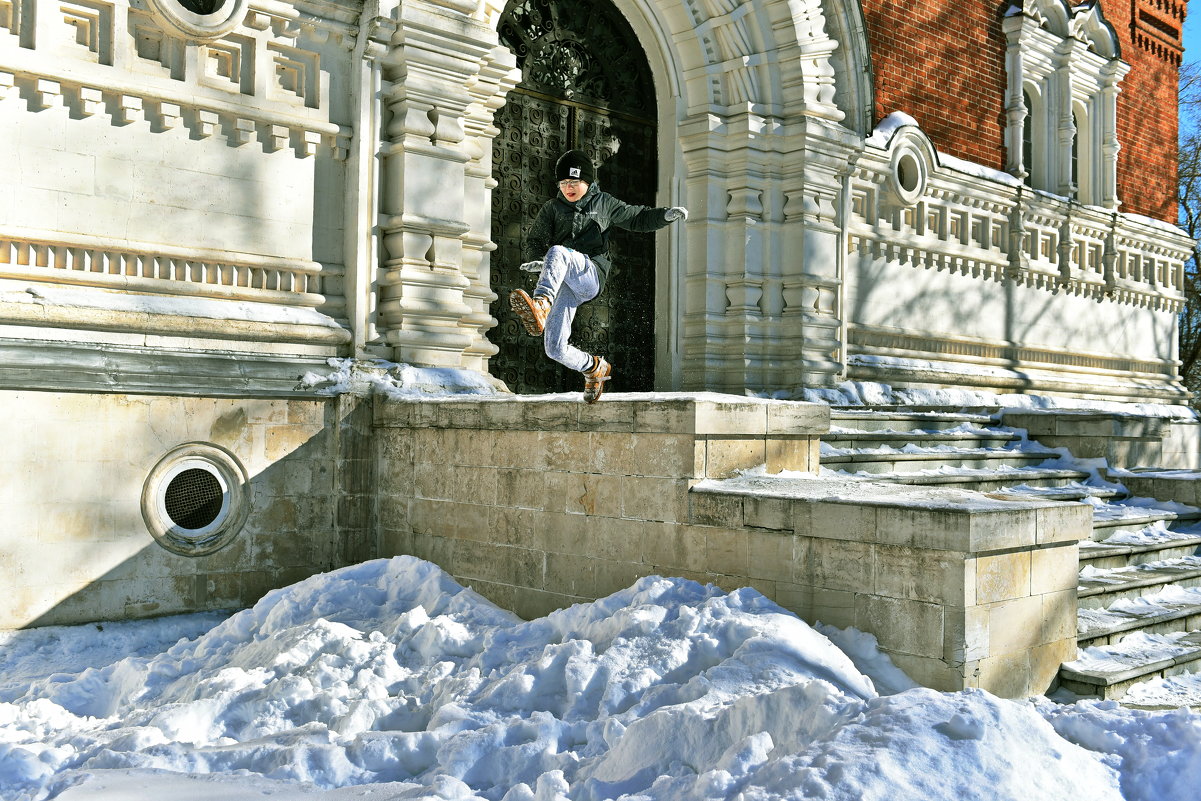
(209, 308)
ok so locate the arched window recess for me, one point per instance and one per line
(1063, 65)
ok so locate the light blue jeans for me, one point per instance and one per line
(569, 279)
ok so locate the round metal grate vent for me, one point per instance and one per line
(194, 500)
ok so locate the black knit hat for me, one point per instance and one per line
(575, 166)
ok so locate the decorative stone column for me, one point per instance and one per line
(445, 74)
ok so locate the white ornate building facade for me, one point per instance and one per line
(203, 201)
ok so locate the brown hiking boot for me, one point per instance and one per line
(531, 311)
(595, 378)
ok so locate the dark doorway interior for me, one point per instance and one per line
(586, 85)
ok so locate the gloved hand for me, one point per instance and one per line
(531, 266)
(676, 213)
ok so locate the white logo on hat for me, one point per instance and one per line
(574, 172)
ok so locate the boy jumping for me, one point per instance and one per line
(568, 246)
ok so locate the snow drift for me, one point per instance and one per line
(390, 677)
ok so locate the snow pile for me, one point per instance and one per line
(391, 678)
(400, 381)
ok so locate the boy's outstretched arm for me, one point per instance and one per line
(643, 218)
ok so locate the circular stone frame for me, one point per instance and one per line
(910, 174)
(200, 27)
(228, 521)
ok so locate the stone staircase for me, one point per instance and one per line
(1139, 591)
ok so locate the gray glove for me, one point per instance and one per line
(532, 266)
(676, 213)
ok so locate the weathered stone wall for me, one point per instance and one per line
(77, 547)
(541, 504)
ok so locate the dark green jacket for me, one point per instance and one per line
(584, 226)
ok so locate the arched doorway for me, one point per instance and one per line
(585, 84)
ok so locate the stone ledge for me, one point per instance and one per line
(1073, 423)
(702, 414)
(891, 514)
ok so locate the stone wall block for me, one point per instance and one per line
(550, 416)
(785, 419)
(1058, 616)
(394, 463)
(936, 673)
(611, 453)
(526, 489)
(842, 565)
(1016, 625)
(775, 556)
(1002, 577)
(593, 494)
(760, 511)
(724, 457)
(569, 451)
(501, 564)
(618, 540)
(798, 599)
(532, 604)
(716, 508)
(571, 574)
(965, 635)
(1063, 522)
(677, 549)
(661, 499)
(469, 446)
(715, 418)
(501, 416)
(560, 532)
(726, 552)
(924, 575)
(666, 455)
(613, 576)
(521, 449)
(1054, 569)
(796, 454)
(503, 595)
(994, 529)
(607, 417)
(841, 521)
(519, 527)
(909, 627)
(833, 607)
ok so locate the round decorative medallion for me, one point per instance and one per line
(201, 20)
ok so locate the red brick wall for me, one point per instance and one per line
(943, 63)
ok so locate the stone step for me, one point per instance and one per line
(1175, 609)
(1099, 589)
(1107, 555)
(979, 438)
(979, 480)
(1073, 491)
(873, 420)
(892, 460)
(1109, 671)
(1109, 517)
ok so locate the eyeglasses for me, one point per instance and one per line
(570, 184)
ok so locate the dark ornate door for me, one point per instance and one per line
(586, 85)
